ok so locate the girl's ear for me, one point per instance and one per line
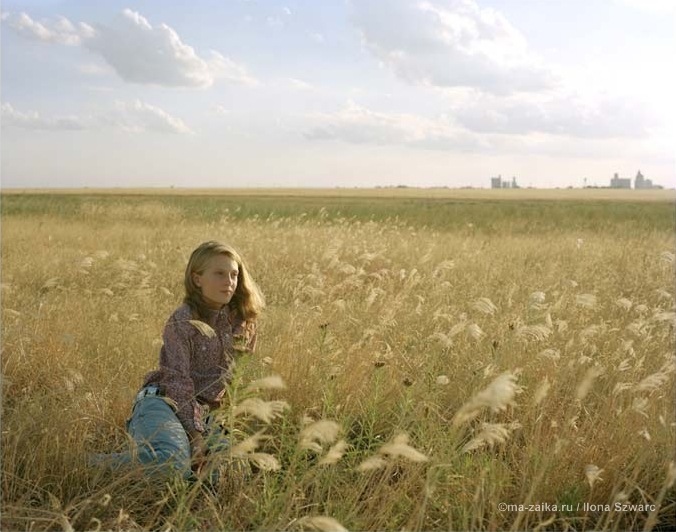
(196, 279)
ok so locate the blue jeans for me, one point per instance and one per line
(160, 441)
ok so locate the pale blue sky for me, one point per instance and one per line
(336, 93)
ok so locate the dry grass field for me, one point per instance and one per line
(576, 194)
(449, 362)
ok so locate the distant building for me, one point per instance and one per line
(642, 183)
(497, 182)
(620, 182)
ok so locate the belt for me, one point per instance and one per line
(148, 391)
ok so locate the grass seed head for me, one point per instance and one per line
(552, 354)
(491, 434)
(266, 411)
(322, 523)
(624, 303)
(250, 444)
(667, 257)
(264, 461)
(485, 306)
(50, 283)
(671, 475)
(621, 387)
(374, 462)
(587, 382)
(652, 382)
(457, 329)
(586, 300)
(541, 391)
(536, 333)
(593, 474)
(537, 297)
(474, 331)
(334, 454)
(315, 435)
(272, 382)
(640, 406)
(399, 447)
(497, 396)
(442, 338)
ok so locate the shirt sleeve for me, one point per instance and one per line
(175, 365)
(252, 330)
(244, 336)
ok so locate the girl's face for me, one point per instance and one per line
(218, 281)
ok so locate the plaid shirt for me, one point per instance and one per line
(194, 368)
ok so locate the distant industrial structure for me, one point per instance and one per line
(642, 182)
(639, 183)
(620, 182)
(497, 182)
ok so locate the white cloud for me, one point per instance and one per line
(317, 37)
(220, 110)
(138, 51)
(653, 6)
(98, 88)
(134, 117)
(225, 68)
(359, 125)
(139, 116)
(450, 43)
(274, 22)
(141, 53)
(300, 85)
(59, 31)
(570, 115)
(33, 120)
(93, 69)
(286, 10)
(534, 133)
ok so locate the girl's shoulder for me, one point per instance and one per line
(183, 324)
(182, 314)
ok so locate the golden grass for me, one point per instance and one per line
(544, 375)
(573, 194)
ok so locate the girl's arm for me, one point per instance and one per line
(244, 336)
(175, 364)
(253, 336)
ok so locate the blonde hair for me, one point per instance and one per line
(247, 301)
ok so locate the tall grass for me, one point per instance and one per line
(466, 367)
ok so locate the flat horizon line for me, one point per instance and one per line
(438, 192)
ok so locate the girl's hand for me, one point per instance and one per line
(199, 451)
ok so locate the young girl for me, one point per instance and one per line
(169, 415)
